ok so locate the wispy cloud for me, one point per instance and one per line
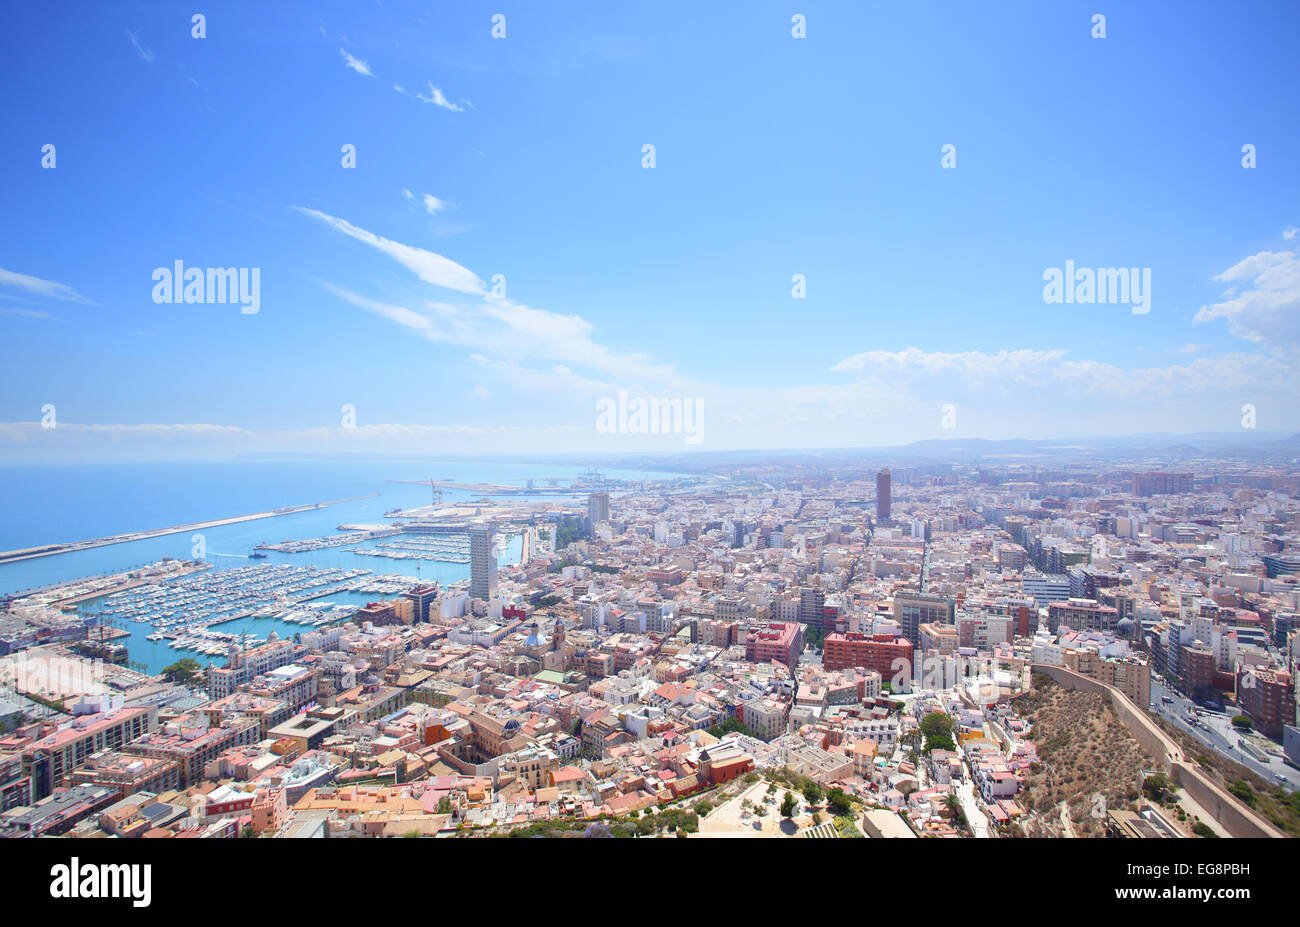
(145, 53)
(45, 288)
(431, 203)
(399, 314)
(435, 96)
(508, 330)
(34, 315)
(429, 267)
(356, 64)
(1290, 232)
(497, 326)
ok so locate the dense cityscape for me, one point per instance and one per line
(430, 425)
(1053, 649)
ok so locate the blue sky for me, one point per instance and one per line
(775, 156)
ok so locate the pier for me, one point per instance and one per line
(49, 550)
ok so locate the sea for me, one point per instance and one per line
(75, 502)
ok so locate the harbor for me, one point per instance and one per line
(169, 595)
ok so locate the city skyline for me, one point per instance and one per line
(499, 262)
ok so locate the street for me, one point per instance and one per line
(1216, 731)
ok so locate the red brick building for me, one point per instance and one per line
(877, 652)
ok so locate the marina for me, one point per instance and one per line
(445, 549)
(334, 540)
(209, 613)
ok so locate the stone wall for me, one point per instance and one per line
(1235, 817)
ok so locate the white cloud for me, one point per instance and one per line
(46, 288)
(431, 203)
(498, 326)
(1262, 303)
(399, 314)
(1290, 232)
(429, 267)
(356, 64)
(435, 96)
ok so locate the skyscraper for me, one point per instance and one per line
(482, 563)
(597, 508)
(882, 495)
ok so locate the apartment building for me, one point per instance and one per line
(913, 609)
(51, 759)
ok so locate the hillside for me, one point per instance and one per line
(1083, 751)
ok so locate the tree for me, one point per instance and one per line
(838, 802)
(936, 722)
(939, 742)
(812, 792)
(185, 671)
(726, 727)
(1242, 721)
(788, 805)
(1157, 787)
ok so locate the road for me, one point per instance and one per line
(1216, 732)
(979, 824)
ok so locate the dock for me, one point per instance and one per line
(49, 550)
